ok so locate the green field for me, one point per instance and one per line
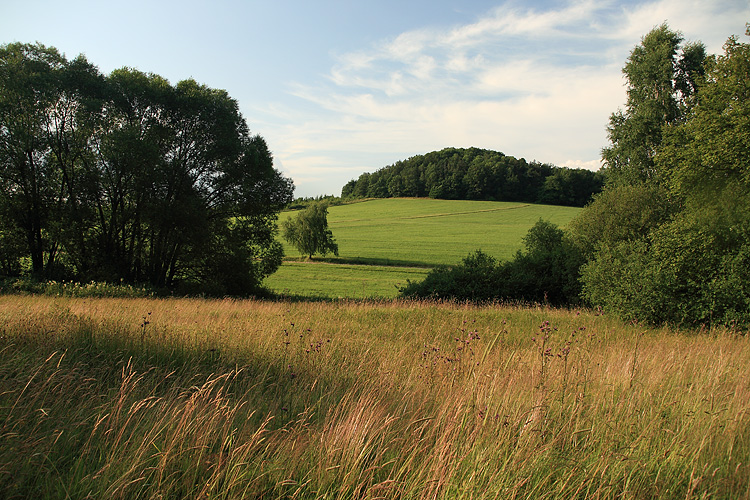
(330, 280)
(399, 236)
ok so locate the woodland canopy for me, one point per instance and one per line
(477, 174)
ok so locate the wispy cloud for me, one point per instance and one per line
(534, 83)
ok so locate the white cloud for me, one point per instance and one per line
(588, 165)
(538, 84)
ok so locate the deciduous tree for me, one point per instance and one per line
(660, 83)
(129, 177)
(676, 248)
(309, 232)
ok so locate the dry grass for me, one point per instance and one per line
(145, 398)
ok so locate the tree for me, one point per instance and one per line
(127, 177)
(626, 213)
(675, 248)
(660, 84)
(28, 93)
(709, 150)
(12, 247)
(704, 252)
(309, 232)
(547, 269)
(186, 178)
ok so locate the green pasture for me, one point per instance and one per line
(331, 280)
(391, 238)
(427, 232)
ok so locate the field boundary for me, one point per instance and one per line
(361, 262)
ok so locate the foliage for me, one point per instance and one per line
(701, 257)
(309, 232)
(620, 214)
(660, 85)
(12, 247)
(477, 174)
(708, 151)
(690, 270)
(476, 278)
(546, 271)
(675, 248)
(127, 177)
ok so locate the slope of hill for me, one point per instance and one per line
(477, 174)
(405, 238)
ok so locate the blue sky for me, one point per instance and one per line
(338, 88)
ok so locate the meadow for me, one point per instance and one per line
(188, 398)
(403, 235)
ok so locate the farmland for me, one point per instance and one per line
(405, 237)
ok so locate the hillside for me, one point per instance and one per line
(404, 238)
(477, 174)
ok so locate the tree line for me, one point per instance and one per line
(125, 177)
(668, 239)
(477, 174)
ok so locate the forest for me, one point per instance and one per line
(477, 174)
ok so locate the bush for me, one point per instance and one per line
(477, 278)
(547, 271)
(692, 270)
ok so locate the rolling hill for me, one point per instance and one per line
(384, 242)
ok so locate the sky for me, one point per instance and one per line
(338, 88)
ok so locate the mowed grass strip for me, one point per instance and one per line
(331, 281)
(407, 232)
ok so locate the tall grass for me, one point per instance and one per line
(147, 398)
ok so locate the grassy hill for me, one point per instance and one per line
(387, 241)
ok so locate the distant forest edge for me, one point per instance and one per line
(477, 174)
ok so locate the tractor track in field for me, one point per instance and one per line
(447, 214)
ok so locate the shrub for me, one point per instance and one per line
(692, 270)
(546, 271)
(477, 278)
